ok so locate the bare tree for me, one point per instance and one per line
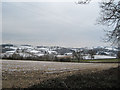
(91, 53)
(110, 15)
(78, 55)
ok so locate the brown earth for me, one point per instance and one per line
(23, 74)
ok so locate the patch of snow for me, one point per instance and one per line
(45, 49)
(61, 55)
(68, 54)
(26, 47)
(103, 57)
(34, 51)
(39, 54)
(52, 52)
(99, 57)
(10, 51)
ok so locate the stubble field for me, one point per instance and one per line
(24, 74)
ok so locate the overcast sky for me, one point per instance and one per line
(52, 23)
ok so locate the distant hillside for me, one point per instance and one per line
(10, 51)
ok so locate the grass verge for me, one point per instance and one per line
(100, 60)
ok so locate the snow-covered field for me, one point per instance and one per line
(104, 57)
(101, 57)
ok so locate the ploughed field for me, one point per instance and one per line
(23, 74)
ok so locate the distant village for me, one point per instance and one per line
(56, 53)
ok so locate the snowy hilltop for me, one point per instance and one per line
(29, 52)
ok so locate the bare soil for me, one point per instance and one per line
(23, 74)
